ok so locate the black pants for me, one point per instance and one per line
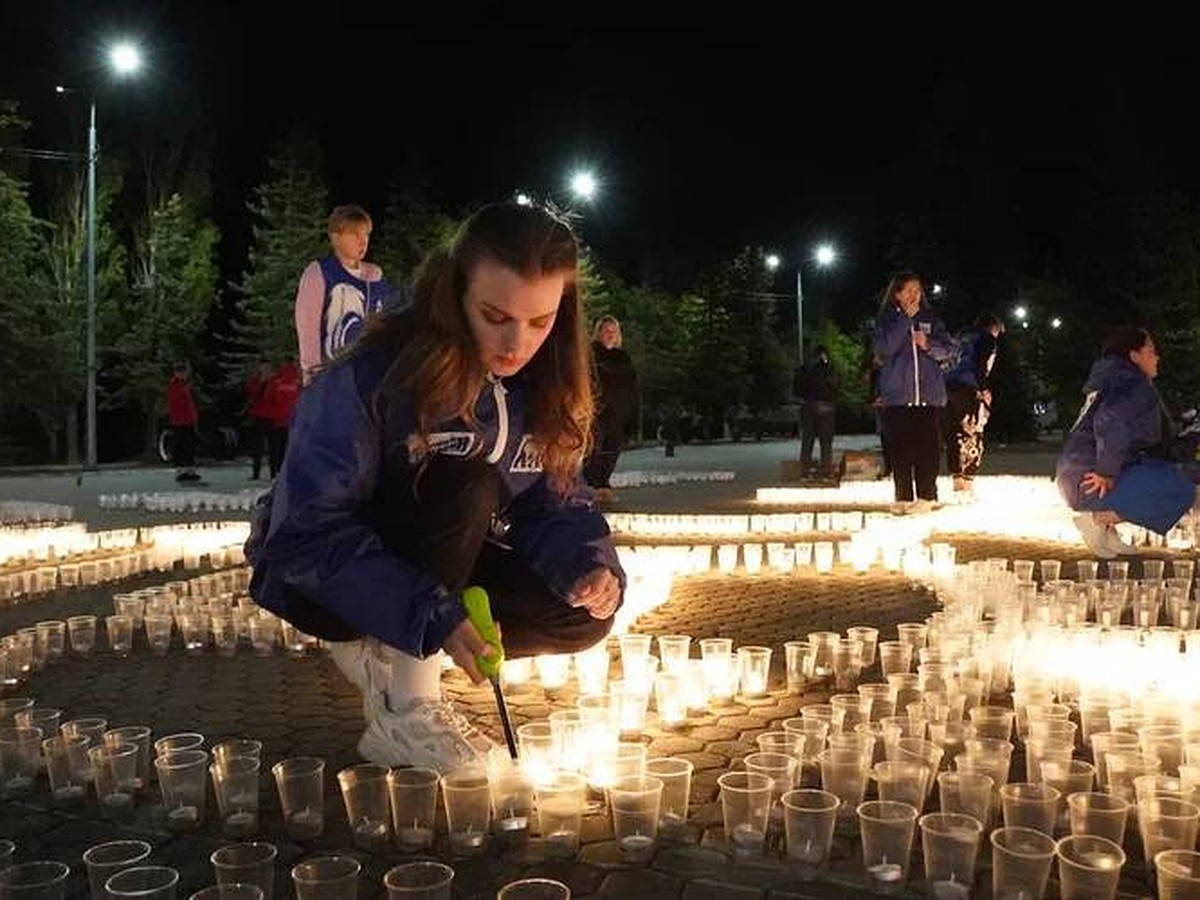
(447, 536)
(817, 419)
(913, 444)
(963, 425)
(183, 446)
(277, 440)
(260, 438)
(606, 450)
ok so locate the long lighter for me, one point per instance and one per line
(479, 611)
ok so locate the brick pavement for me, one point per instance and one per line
(304, 706)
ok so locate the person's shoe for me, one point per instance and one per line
(1096, 537)
(962, 484)
(427, 733)
(1116, 543)
(355, 660)
(188, 476)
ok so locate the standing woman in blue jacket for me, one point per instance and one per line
(1115, 464)
(443, 450)
(910, 341)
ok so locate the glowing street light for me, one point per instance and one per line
(825, 255)
(1056, 323)
(584, 185)
(936, 289)
(125, 59)
(1021, 313)
(524, 199)
(772, 261)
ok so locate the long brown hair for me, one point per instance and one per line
(440, 366)
(896, 284)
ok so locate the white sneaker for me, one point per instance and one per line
(1116, 543)
(1096, 536)
(357, 661)
(426, 733)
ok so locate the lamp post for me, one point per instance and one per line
(125, 59)
(824, 256)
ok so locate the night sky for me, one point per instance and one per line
(773, 125)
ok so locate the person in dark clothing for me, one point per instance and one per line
(616, 384)
(259, 412)
(818, 412)
(969, 399)
(911, 341)
(1111, 468)
(441, 451)
(184, 419)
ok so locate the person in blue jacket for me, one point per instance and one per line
(910, 341)
(444, 450)
(969, 398)
(1113, 467)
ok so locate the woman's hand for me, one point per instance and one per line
(598, 592)
(463, 645)
(920, 340)
(1095, 483)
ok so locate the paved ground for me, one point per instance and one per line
(304, 706)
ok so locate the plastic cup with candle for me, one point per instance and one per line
(670, 700)
(419, 881)
(969, 793)
(534, 889)
(184, 740)
(235, 783)
(67, 765)
(902, 781)
(114, 768)
(181, 776)
(809, 820)
(950, 843)
(799, 659)
(676, 776)
(236, 747)
(228, 892)
(895, 657)
(635, 802)
(365, 796)
(247, 863)
(719, 673)
(300, 782)
(844, 774)
(591, 669)
(1100, 814)
(120, 634)
(20, 760)
(81, 630)
(1167, 823)
(512, 797)
(413, 794)
(467, 798)
(560, 805)
(1178, 873)
(887, 829)
(673, 650)
(746, 799)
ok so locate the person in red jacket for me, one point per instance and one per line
(259, 411)
(183, 419)
(283, 390)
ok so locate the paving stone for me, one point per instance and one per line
(705, 889)
(688, 863)
(642, 884)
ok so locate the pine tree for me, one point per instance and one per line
(290, 215)
(411, 227)
(174, 286)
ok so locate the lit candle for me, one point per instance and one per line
(305, 824)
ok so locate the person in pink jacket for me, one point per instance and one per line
(339, 292)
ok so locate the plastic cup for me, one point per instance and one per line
(144, 883)
(1103, 815)
(419, 881)
(809, 818)
(1178, 874)
(969, 793)
(184, 740)
(1030, 805)
(413, 794)
(904, 782)
(68, 767)
(467, 798)
(799, 657)
(673, 650)
(635, 802)
(114, 769)
(365, 795)
(950, 843)
(300, 782)
(181, 775)
(236, 747)
(995, 722)
(1167, 823)
(1021, 860)
(102, 861)
(560, 802)
(887, 834)
(20, 760)
(235, 783)
(1089, 867)
(895, 658)
(534, 889)
(81, 630)
(844, 774)
(746, 806)
(136, 736)
(512, 798)
(248, 863)
(35, 881)
(327, 878)
(676, 776)
(753, 666)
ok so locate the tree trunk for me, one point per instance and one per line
(72, 427)
(151, 440)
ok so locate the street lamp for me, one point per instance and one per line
(584, 185)
(124, 59)
(825, 255)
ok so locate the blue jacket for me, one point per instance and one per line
(319, 545)
(974, 367)
(1120, 420)
(898, 386)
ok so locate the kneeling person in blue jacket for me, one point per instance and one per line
(444, 450)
